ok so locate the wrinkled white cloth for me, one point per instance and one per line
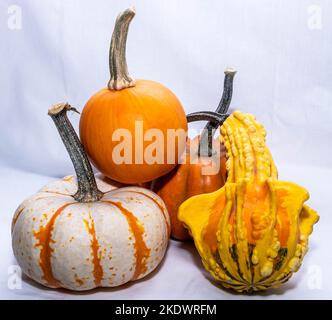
(54, 51)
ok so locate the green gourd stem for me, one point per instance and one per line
(205, 149)
(119, 76)
(87, 186)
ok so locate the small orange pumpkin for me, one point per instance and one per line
(191, 177)
(135, 107)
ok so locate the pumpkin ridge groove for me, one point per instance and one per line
(58, 193)
(251, 266)
(235, 257)
(216, 255)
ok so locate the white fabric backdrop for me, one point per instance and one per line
(283, 53)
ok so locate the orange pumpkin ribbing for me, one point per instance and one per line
(44, 238)
(97, 268)
(142, 252)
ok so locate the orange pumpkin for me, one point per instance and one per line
(185, 181)
(200, 171)
(135, 107)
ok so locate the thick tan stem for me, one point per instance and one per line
(120, 78)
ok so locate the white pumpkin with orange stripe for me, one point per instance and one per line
(88, 233)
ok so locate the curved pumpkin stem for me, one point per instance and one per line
(205, 149)
(213, 117)
(120, 78)
(87, 186)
